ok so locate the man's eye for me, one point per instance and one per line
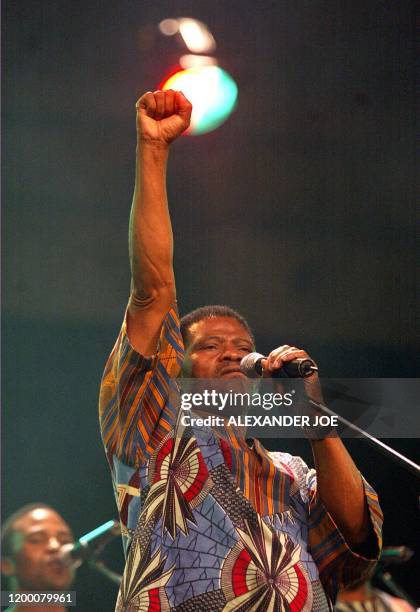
(209, 346)
(35, 539)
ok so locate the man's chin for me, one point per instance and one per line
(233, 374)
(59, 580)
(235, 382)
(58, 585)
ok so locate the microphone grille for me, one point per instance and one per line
(251, 366)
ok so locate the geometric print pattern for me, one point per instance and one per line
(263, 572)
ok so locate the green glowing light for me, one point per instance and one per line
(212, 92)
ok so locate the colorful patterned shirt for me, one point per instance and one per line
(209, 523)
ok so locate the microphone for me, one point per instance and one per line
(251, 366)
(73, 555)
(395, 554)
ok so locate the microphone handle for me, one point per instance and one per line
(297, 368)
(300, 368)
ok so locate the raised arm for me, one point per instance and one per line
(161, 117)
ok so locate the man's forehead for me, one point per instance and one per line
(219, 326)
(40, 517)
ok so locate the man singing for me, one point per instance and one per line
(31, 540)
(211, 522)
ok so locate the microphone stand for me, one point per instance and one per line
(401, 459)
(387, 580)
(94, 543)
(100, 567)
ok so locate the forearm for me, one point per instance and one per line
(341, 489)
(150, 231)
(339, 483)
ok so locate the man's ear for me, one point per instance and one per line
(7, 566)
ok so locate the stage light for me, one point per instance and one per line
(194, 61)
(195, 34)
(169, 27)
(211, 91)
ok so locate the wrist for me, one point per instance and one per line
(319, 434)
(316, 431)
(152, 152)
(150, 144)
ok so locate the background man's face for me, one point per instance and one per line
(37, 540)
(216, 348)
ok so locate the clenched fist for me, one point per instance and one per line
(162, 116)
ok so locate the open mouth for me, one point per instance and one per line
(56, 565)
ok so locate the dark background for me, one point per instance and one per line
(299, 212)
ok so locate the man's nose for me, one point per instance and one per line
(231, 353)
(53, 543)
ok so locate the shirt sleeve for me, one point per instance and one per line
(339, 566)
(137, 404)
